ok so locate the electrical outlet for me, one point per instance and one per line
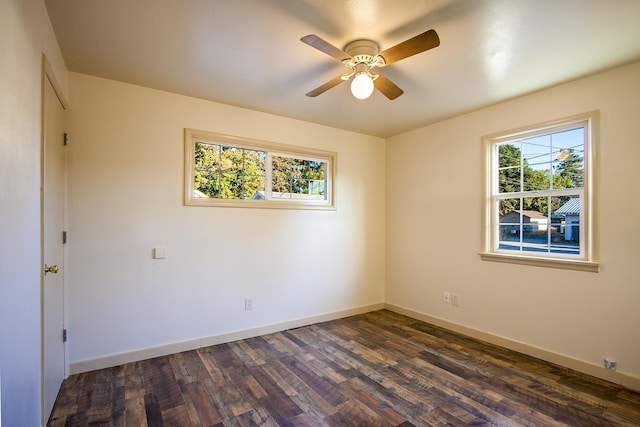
(610, 363)
(248, 304)
(453, 299)
(446, 297)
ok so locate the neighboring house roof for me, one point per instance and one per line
(572, 207)
(533, 214)
(529, 213)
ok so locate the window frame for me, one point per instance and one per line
(588, 258)
(193, 136)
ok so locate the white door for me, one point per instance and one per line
(53, 202)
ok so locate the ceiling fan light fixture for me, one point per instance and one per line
(363, 55)
(362, 85)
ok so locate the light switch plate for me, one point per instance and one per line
(160, 252)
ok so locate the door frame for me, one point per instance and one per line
(48, 77)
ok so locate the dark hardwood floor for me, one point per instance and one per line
(379, 368)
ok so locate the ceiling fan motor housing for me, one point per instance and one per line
(362, 51)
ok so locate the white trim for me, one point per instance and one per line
(589, 256)
(163, 350)
(618, 377)
(566, 264)
(48, 75)
(193, 136)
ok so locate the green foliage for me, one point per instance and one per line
(228, 172)
(207, 165)
(569, 172)
(239, 173)
(516, 175)
(297, 176)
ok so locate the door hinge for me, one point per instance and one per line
(64, 335)
(66, 138)
(64, 237)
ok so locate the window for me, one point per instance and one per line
(222, 170)
(539, 195)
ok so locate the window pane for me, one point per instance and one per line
(230, 187)
(510, 168)
(228, 172)
(508, 155)
(206, 170)
(314, 174)
(281, 166)
(509, 180)
(509, 227)
(317, 187)
(312, 169)
(531, 230)
(231, 160)
(537, 207)
(254, 187)
(207, 156)
(568, 163)
(536, 151)
(536, 158)
(565, 224)
(507, 206)
(254, 162)
(509, 238)
(557, 202)
(280, 186)
(535, 224)
(298, 179)
(206, 185)
(299, 185)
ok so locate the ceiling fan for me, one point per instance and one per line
(362, 56)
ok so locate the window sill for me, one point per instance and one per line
(265, 204)
(566, 264)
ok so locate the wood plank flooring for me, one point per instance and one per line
(375, 369)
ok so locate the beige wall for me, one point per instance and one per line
(126, 190)
(433, 231)
(126, 197)
(25, 34)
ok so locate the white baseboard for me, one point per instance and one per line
(597, 371)
(163, 350)
(588, 368)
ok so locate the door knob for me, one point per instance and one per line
(50, 269)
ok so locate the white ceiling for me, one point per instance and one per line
(247, 53)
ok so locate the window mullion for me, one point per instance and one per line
(549, 237)
(268, 185)
(521, 173)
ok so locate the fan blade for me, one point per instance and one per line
(420, 43)
(326, 47)
(387, 87)
(325, 87)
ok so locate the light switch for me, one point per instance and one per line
(160, 252)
